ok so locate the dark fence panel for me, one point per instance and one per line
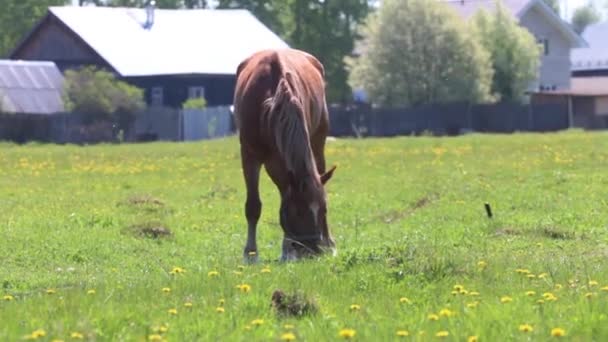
(446, 119)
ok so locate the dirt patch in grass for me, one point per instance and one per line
(557, 233)
(546, 232)
(398, 215)
(150, 230)
(507, 231)
(145, 202)
(293, 305)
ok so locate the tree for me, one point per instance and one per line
(554, 4)
(99, 95)
(17, 18)
(585, 16)
(417, 52)
(514, 53)
(324, 28)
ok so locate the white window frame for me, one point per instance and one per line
(157, 96)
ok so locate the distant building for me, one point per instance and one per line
(173, 55)
(555, 35)
(30, 87)
(593, 60)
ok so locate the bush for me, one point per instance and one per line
(195, 103)
(100, 96)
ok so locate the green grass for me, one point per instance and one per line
(407, 214)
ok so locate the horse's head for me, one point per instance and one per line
(304, 217)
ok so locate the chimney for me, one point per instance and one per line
(150, 14)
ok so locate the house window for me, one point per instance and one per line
(196, 92)
(156, 96)
(544, 43)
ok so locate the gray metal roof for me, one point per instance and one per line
(30, 87)
(178, 42)
(595, 57)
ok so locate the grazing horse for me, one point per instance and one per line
(282, 118)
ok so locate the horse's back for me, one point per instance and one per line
(257, 80)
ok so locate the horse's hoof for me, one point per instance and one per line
(250, 257)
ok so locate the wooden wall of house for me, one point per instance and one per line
(52, 41)
(219, 89)
(601, 105)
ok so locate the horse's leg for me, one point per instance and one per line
(253, 204)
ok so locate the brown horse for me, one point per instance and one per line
(282, 118)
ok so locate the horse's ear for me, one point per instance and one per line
(327, 175)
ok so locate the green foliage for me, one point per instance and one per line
(326, 29)
(98, 93)
(195, 103)
(554, 4)
(585, 16)
(18, 17)
(68, 214)
(514, 53)
(420, 52)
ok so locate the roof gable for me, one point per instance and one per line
(30, 87)
(179, 41)
(595, 57)
(518, 8)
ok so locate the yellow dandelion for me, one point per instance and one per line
(76, 335)
(404, 300)
(212, 274)
(558, 286)
(219, 309)
(589, 295)
(221, 301)
(525, 328)
(433, 317)
(38, 333)
(56, 340)
(172, 311)
(605, 289)
(522, 271)
(531, 276)
(188, 304)
(593, 283)
(473, 339)
(482, 264)
(442, 334)
(288, 336)
(455, 293)
(472, 305)
(155, 337)
(51, 291)
(240, 267)
(355, 307)
(403, 333)
(540, 301)
(238, 273)
(163, 329)
(463, 292)
(257, 322)
(8, 298)
(91, 292)
(166, 289)
(543, 275)
(247, 327)
(177, 270)
(530, 293)
(558, 332)
(244, 288)
(473, 293)
(445, 313)
(458, 288)
(347, 333)
(547, 295)
(288, 326)
(506, 299)
(265, 270)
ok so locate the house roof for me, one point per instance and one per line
(30, 87)
(467, 8)
(178, 42)
(583, 86)
(595, 57)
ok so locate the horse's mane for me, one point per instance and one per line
(285, 120)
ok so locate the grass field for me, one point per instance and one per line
(84, 250)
